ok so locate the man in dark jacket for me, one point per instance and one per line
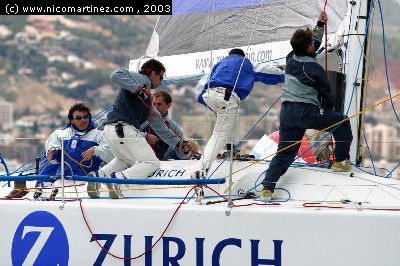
(306, 103)
(134, 158)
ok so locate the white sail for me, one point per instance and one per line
(184, 40)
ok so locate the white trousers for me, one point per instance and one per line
(226, 127)
(133, 155)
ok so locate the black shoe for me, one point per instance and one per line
(17, 193)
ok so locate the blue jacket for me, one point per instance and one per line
(128, 105)
(76, 142)
(225, 72)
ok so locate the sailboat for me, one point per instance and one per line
(318, 217)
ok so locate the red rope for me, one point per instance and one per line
(146, 251)
(15, 199)
(148, 94)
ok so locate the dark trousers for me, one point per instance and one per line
(295, 118)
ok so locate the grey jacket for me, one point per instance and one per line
(305, 80)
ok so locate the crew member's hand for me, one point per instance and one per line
(88, 154)
(323, 17)
(50, 155)
(184, 146)
(152, 139)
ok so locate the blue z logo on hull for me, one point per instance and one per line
(40, 239)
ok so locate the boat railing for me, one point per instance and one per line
(48, 178)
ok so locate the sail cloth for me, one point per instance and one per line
(196, 27)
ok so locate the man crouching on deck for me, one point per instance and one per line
(306, 103)
(134, 158)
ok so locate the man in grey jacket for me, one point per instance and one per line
(306, 103)
(134, 158)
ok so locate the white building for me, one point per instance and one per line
(6, 114)
(383, 141)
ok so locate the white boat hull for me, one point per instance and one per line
(295, 232)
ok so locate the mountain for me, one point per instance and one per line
(66, 58)
(34, 97)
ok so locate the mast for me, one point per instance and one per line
(356, 70)
(364, 84)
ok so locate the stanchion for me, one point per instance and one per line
(62, 174)
(228, 212)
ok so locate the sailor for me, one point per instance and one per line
(84, 146)
(85, 149)
(306, 103)
(230, 82)
(162, 102)
(134, 158)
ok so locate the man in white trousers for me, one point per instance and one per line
(230, 82)
(134, 157)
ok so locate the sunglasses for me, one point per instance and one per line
(86, 116)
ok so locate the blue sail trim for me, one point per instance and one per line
(185, 7)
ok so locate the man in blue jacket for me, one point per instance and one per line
(84, 146)
(231, 81)
(306, 103)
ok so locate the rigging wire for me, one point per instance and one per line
(326, 40)
(384, 56)
(359, 60)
